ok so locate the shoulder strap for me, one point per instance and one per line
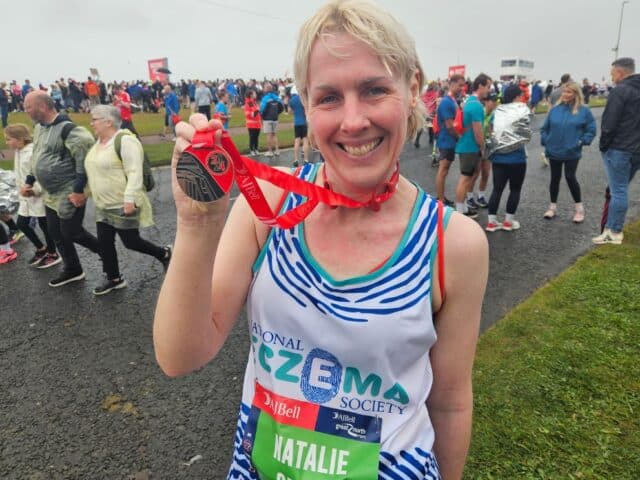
(66, 130)
(440, 237)
(117, 144)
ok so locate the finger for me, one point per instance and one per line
(199, 121)
(185, 131)
(180, 145)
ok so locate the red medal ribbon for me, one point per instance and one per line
(214, 160)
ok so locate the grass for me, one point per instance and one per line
(593, 102)
(160, 154)
(557, 381)
(145, 123)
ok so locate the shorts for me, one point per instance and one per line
(269, 126)
(300, 131)
(469, 163)
(448, 154)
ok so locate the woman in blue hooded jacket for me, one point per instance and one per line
(569, 126)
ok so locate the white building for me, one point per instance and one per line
(516, 68)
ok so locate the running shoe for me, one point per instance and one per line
(509, 226)
(471, 213)
(66, 277)
(110, 285)
(607, 236)
(268, 153)
(37, 258)
(15, 237)
(448, 203)
(482, 203)
(167, 258)
(49, 260)
(492, 227)
(471, 203)
(7, 256)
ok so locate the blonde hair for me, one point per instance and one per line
(375, 27)
(578, 99)
(20, 132)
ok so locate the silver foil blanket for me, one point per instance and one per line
(8, 192)
(511, 128)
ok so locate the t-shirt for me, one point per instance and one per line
(473, 111)
(296, 106)
(446, 111)
(125, 112)
(221, 108)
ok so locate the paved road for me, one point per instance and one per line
(82, 397)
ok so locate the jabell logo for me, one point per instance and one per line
(281, 409)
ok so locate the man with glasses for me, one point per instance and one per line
(59, 149)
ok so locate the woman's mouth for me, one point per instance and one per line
(362, 149)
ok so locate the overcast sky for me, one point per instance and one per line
(211, 39)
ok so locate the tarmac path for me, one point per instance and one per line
(83, 398)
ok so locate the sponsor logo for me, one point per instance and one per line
(352, 431)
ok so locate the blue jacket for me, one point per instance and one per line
(563, 133)
(268, 97)
(536, 94)
(171, 103)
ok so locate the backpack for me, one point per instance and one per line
(147, 175)
(458, 120)
(272, 110)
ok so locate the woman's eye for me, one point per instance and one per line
(377, 91)
(327, 99)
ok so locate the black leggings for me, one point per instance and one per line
(4, 238)
(502, 173)
(254, 134)
(24, 224)
(570, 167)
(67, 232)
(130, 238)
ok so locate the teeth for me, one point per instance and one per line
(361, 150)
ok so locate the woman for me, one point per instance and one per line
(568, 127)
(352, 294)
(510, 132)
(18, 139)
(253, 120)
(115, 177)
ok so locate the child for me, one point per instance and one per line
(19, 139)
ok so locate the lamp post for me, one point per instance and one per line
(615, 49)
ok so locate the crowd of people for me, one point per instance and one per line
(400, 269)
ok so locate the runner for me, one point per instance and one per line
(345, 378)
(510, 132)
(447, 134)
(470, 147)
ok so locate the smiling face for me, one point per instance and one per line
(358, 112)
(568, 95)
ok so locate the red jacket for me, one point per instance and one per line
(252, 113)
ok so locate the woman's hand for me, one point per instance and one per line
(129, 208)
(191, 212)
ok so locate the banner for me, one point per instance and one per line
(154, 65)
(457, 70)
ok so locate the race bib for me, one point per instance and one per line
(289, 439)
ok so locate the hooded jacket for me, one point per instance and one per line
(59, 165)
(621, 117)
(563, 133)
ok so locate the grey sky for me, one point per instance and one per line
(252, 38)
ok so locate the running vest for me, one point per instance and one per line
(339, 371)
